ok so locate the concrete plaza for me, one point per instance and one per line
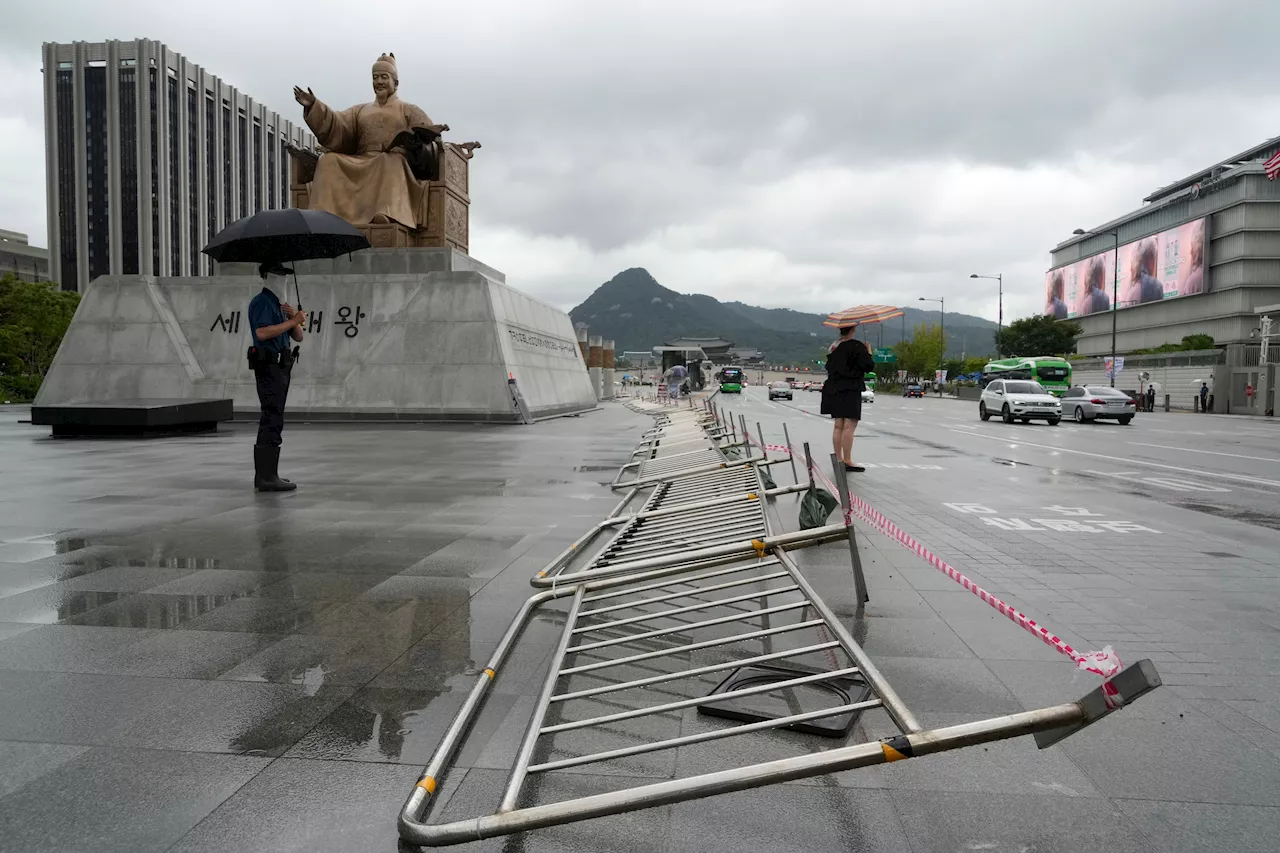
(188, 666)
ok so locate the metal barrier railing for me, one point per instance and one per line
(695, 586)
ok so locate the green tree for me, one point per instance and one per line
(1037, 336)
(957, 366)
(921, 355)
(1195, 342)
(33, 319)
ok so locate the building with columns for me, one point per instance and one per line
(148, 156)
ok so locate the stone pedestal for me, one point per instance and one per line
(606, 382)
(392, 334)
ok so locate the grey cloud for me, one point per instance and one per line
(659, 136)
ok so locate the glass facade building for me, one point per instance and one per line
(148, 156)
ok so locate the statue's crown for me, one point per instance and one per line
(387, 60)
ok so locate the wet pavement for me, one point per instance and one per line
(187, 666)
(1159, 539)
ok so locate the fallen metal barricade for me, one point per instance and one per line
(692, 588)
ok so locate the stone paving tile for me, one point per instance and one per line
(83, 708)
(308, 806)
(1179, 827)
(66, 648)
(21, 763)
(944, 822)
(234, 716)
(313, 660)
(114, 799)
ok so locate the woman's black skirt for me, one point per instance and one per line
(843, 403)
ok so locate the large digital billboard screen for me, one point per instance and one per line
(1162, 266)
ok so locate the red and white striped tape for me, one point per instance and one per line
(1105, 663)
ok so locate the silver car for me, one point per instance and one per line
(1090, 402)
(1012, 399)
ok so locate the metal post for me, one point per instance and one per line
(808, 464)
(790, 453)
(764, 452)
(1115, 305)
(531, 733)
(842, 485)
(942, 318)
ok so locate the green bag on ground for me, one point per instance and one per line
(732, 453)
(815, 506)
(767, 479)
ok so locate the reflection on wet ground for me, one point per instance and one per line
(172, 609)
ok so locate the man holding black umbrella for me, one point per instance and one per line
(273, 323)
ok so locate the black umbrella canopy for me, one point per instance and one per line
(276, 236)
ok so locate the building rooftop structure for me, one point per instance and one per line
(18, 256)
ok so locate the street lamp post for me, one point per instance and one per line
(942, 323)
(999, 278)
(1115, 292)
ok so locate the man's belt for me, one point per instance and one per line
(258, 357)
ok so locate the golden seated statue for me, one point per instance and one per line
(383, 167)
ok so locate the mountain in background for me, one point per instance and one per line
(638, 314)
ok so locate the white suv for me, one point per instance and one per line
(1020, 399)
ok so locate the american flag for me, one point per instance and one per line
(1272, 166)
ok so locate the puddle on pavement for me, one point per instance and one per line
(150, 610)
(1247, 516)
(25, 549)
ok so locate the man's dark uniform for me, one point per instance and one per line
(271, 367)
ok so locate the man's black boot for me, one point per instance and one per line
(266, 462)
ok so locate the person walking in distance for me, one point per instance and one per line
(1204, 397)
(273, 323)
(848, 362)
(1151, 398)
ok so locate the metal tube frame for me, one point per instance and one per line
(676, 575)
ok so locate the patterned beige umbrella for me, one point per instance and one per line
(860, 314)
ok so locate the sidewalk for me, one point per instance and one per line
(188, 665)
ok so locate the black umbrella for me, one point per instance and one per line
(271, 237)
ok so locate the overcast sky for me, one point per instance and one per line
(812, 155)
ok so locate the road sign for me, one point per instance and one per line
(884, 355)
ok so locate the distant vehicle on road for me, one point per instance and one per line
(1022, 400)
(1088, 403)
(814, 386)
(1053, 373)
(870, 379)
(913, 391)
(731, 380)
(780, 391)
(868, 396)
(808, 386)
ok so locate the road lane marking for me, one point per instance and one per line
(1210, 452)
(1239, 478)
(1167, 482)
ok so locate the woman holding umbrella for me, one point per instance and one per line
(848, 361)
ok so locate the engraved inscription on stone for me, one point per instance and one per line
(555, 346)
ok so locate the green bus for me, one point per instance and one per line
(731, 380)
(870, 380)
(1052, 372)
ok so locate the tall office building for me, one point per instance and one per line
(147, 156)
